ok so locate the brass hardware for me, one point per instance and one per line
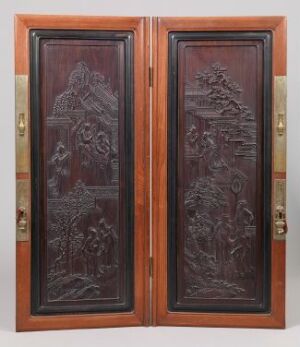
(150, 77)
(280, 220)
(280, 123)
(21, 124)
(151, 267)
(22, 219)
(22, 222)
(22, 150)
(279, 210)
(280, 227)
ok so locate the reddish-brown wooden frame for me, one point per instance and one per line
(140, 27)
(161, 316)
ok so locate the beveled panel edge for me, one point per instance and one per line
(280, 123)
(48, 308)
(266, 37)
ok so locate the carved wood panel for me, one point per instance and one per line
(82, 165)
(217, 190)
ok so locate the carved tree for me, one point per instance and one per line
(222, 91)
(205, 193)
(74, 205)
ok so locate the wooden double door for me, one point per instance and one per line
(215, 252)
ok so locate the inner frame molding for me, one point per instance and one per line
(87, 134)
(177, 271)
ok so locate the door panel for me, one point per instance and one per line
(83, 161)
(83, 170)
(219, 171)
(217, 257)
(82, 249)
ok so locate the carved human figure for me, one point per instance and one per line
(107, 241)
(191, 243)
(59, 161)
(102, 144)
(85, 139)
(242, 255)
(207, 143)
(90, 250)
(223, 230)
(109, 245)
(192, 137)
(243, 245)
(217, 163)
(244, 217)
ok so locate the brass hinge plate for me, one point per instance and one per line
(22, 210)
(22, 158)
(151, 267)
(280, 123)
(279, 210)
(22, 124)
(150, 77)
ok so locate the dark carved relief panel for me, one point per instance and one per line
(82, 243)
(83, 262)
(219, 222)
(216, 192)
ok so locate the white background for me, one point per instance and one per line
(145, 336)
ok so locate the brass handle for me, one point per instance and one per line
(21, 124)
(22, 219)
(280, 124)
(280, 222)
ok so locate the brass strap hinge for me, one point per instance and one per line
(22, 210)
(150, 77)
(279, 131)
(280, 123)
(22, 123)
(151, 267)
(279, 210)
(22, 159)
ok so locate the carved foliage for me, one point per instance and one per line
(222, 92)
(86, 91)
